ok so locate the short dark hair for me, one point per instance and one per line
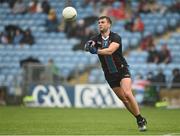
(106, 17)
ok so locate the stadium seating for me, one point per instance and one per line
(48, 45)
(59, 48)
(155, 24)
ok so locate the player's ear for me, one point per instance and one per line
(109, 25)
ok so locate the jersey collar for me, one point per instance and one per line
(105, 38)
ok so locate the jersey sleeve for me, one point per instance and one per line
(116, 38)
(94, 38)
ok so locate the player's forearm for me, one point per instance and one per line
(106, 51)
(110, 50)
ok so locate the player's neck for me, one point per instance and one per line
(105, 34)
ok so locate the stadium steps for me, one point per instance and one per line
(81, 79)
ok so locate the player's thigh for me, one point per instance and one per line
(116, 89)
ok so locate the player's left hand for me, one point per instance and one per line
(93, 50)
(89, 44)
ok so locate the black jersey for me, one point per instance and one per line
(110, 63)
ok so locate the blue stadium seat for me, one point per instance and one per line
(150, 29)
(96, 76)
(160, 29)
(93, 60)
(173, 23)
(134, 41)
(176, 60)
(2, 78)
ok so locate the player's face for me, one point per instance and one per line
(104, 25)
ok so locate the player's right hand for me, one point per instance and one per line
(89, 44)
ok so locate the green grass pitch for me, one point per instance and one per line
(64, 121)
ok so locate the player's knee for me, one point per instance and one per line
(127, 94)
(124, 99)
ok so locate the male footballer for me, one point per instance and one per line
(108, 46)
